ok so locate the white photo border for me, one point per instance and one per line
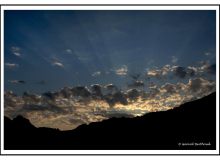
(110, 152)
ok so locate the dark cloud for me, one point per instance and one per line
(179, 72)
(97, 89)
(148, 79)
(67, 92)
(16, 81)
(133, 94)
(135, 76)
(51, 95)
(192, 71)
(154, 90)
(30, 98)
(211, 69)
(119, 115)
(117, 97)
(200, 86)
(81, 91)
(136, 84)
(169, 88)
(20, 81)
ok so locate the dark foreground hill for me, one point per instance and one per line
(192, 126)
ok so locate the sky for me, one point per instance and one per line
(64, 68)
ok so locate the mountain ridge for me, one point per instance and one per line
(190, 123)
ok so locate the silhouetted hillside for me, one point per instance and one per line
(192, 123)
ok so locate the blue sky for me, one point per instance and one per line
(45, 51)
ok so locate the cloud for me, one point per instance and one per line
(207, 53)
(168, 88)
(122, 71)
(17, 54)
(16, 81)
(68, 51)
(96, 73)
(97, 89)
(205, 65)
(154, 90)
(117, 97)
(14, 49)
(157, 73)
(30, 99)
(72, 106)
(135, 76)
(56, 63)
(179, 72)
(200, 86)
(110, 87)
(9, 100)
(67, 92)
(174, 59)
(133, 94)
(192, 71)
(211, 69)
(11, 64)
(136, 84)
(119, 115)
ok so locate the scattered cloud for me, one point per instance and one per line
(136, 84)
(16, 81)
(174, 59)
(110, 87)
(171, 88)
(200, 86)
(78, 105)
(68, 51)
(207, 53)
(17, 54)
(56, 63)
(192, 71)
(14, 49)
(210, 67)
(11, 64)
(122, 71)
(179, 72)
(157, 73)
(96, 73)
(135, 76)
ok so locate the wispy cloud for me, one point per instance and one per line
(96, 73)
(56, 63)
(207, 53)
(16, 81)
(17, 54)
(174, 59)
(11, 64)
(68, 51)
(14, 49)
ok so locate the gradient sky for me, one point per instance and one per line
(66, 68)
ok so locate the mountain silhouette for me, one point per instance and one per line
(191, 126)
